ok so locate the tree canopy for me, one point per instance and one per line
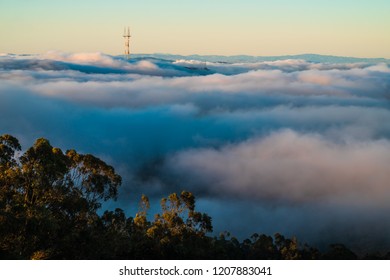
(48, 198)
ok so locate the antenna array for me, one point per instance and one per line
(126, 35)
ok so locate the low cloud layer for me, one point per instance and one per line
(291, 167)
(280, 136)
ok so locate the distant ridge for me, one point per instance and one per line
(315, 58)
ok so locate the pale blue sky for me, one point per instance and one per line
(255, 27)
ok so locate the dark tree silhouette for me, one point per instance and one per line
(49, 200)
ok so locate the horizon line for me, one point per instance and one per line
(206, 55)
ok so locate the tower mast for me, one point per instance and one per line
(126, 35)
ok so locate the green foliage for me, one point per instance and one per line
(48, 199)
(9, 145)
(179, 229)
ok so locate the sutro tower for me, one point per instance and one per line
(126, 35)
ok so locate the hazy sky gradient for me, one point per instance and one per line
(254, 27)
